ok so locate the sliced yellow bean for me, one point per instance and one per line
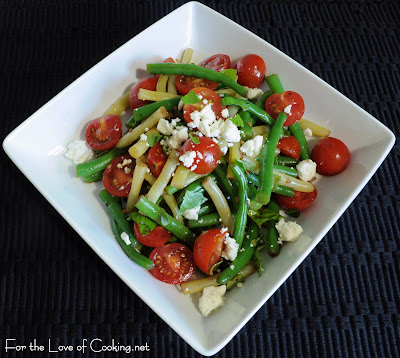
(120, 105)
(162, 83)
(150, 178)
(171, 202)
(316, 129)
(234, 154)
(155, 96)
(137, 182)
(261, 130)
(180, 176)
(141, 146)
(187, 55)
(171, 86)
(294, 183)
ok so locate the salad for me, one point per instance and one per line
(209, 170)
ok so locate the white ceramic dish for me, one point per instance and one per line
(66, 115)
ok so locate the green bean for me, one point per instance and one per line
(204, 221)
(287, 170)
(161, 217)
(148, 109)
(99, 163)
(288, 161)
(195, 187)
(220, 172)
(275, 84)
(241, 214)
(279, 189)
(249, 106)
(243, 256)
(206, 208)
(248, 122)
(272, 233)
(93, 177)
(261, 101)
(267, 160)
(195, 71)
(298, 133)
(118, 215)
(130, 251)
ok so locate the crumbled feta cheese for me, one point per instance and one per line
(254, 93)
(187, 158)
(127, 170)
(288, 109)
(225, 113)
(192, 214)
(232, 267)
(230, 132)
(206, 122)
(204, 101)
(125, 238)
(79, 151)
(239, 284)
(308, 132)
(283, 213)
(126, 162)
(180, 105)
(165, 127)
(306, 169)
(211, 299)
(253, 146)
(288, 231)
(143, 137)
(178, 137)
(230, 249)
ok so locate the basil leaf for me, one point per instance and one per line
(237, 121)
(263, 215)
(153, 139)
(145, 224)
(191, 200)
(195, 140)
(231, 73)
(190, 98)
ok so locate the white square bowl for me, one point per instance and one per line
(66, 115)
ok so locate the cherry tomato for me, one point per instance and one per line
(289, 146)
(289, 102)
(149, 83)
(167, 60)
(207, 249)
(173, 263)
(250, 70)
(117, 177)
(184, 84)
(208, 155)
(104, 132)
(331, 155)
(157, 237)
(206, 94)
(156, 158)
(299, 201)
(217, 62)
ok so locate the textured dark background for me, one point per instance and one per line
(344, 300)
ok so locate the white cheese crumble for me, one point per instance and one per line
(230, 249)
(178, 137)
(225, 113)
(288, 109)
(79, 152)
(254, 93)
(306, 169)
(165, 127)
(253, 146)
(187, 158)
(308, 132)
(192, 214)
(125, 237)
(143, 137)
(288, 231)
(211, 299)
(230, 132)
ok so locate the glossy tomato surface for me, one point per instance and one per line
(331, 155)
(208, 155)
(117, 177)
(299, 201)
(205, 94)
(156, 159)
(289, 102)
(218, 62)
(208, 248)
(184, 84)
(289, 146)
(157, 237)
(173, 263)
(250, 70)
(104, 132)
(149, 83)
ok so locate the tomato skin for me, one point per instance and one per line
(299, 201)
(185, 83)
(116, 179)
(331, 155)
(156, 159)
(277, 103)
(157, 237)
(289, 146)
(104, 132)
(207, 94)
(173, 263)
(218, 62)
(167, 60)
(207, 249)
(250, 70)
(149, 83)
(209, 158)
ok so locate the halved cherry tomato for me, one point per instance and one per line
(117, 177)
(289, 102)
(184, 84)
(156, 158)
(218, 62)
(208, 155)
(205, 94)
(104, 132)
(157, 237)
(167, 60)
(331, 155)
(250, 70)
(299, 201)
(289, 146)
(149, 83)
(173, 263)
(207, 249)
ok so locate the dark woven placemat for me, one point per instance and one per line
(344, 300)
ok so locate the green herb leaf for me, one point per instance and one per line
(237, 121)
(195, 140)
(191, 200)
(263, 215)
(247, 166)
(145, 224)
(231, 73)
(190, 98)
(153, 139)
